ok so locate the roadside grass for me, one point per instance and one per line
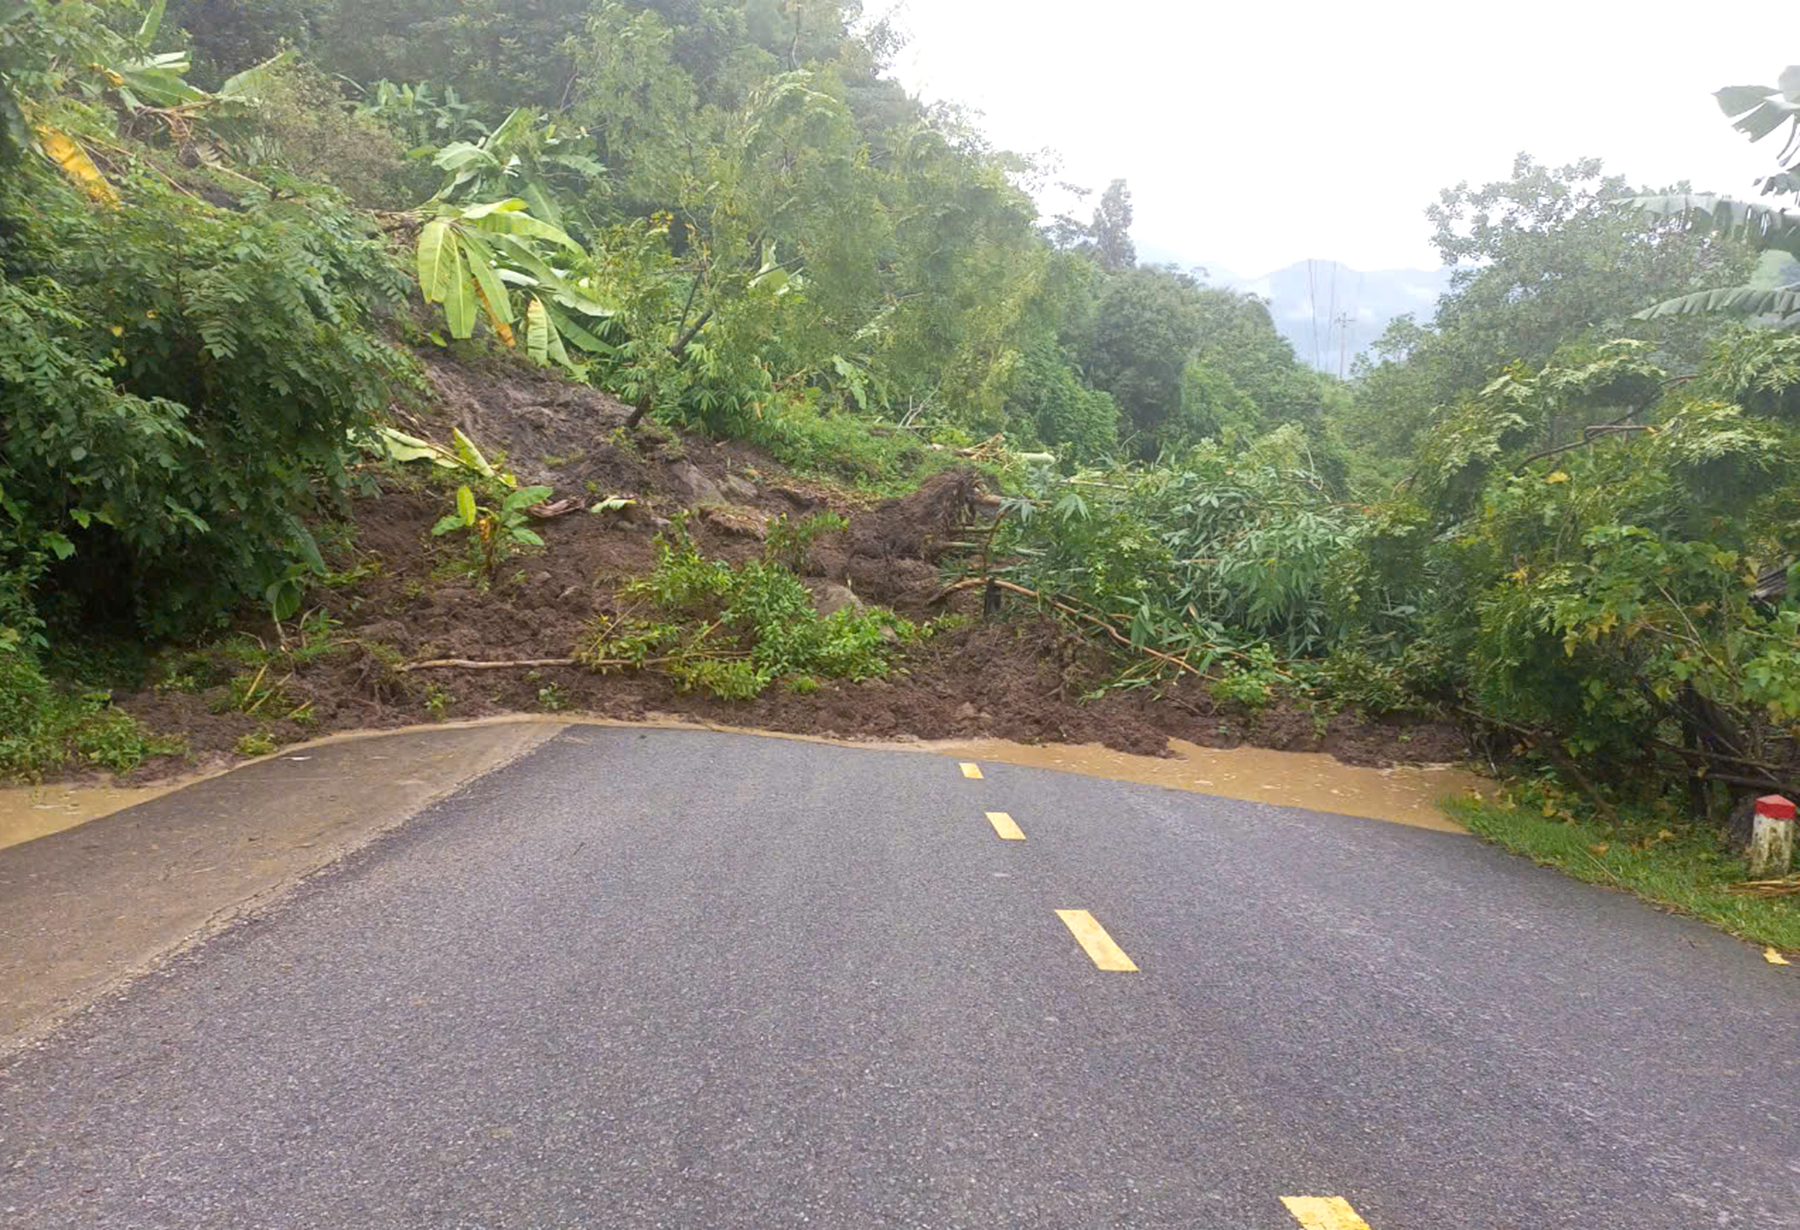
(45, 728)
(1684, 867)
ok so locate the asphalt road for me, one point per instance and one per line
(677, 979)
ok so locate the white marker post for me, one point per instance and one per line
(1772, 836)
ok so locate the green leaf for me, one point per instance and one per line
(1762, 226)
(510, 250)
(542, 203)
(446, 524)
(255, 81)
(537, 332)
(518, 223)
(465, 505)
(402, 447)
(528, 537)
(493, 292)
(613, 503)
(307, 546)
(437, 259)
(525, 497)
(1734, 100)
(152, 25)
(471, 456)
(59, 544)
(459, 155)
(580, 336)
(459, 296)
(510, 205)
(1746, 300)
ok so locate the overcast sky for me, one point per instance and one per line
(1256, 134)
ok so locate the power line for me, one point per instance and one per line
(1312, 303)
(1332, 313)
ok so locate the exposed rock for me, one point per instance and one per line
(799, 499)
(966, 711)
(738, 489)
(739, 521)
(692, 485)
(829, 597)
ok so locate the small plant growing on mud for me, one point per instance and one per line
(553, 699)
(733, 630)
(1253, 681)
(791, 542)
(261, 743)
(437, 701)
(494, 532)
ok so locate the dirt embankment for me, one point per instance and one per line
(1016, 676)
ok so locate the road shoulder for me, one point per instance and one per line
(90, 909)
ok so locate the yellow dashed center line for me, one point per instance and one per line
(1004, 825)
(1096, 942)
(971, 770)
(1324, 1213)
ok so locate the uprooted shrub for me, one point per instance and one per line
(732, 630)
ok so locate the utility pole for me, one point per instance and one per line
(1343, 324)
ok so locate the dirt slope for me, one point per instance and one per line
(1017, 676)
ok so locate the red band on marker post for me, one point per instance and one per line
(1775, 807)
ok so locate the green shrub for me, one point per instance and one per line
(1051, 403)
(1253, 680)
(1355, 677)
(177, 381)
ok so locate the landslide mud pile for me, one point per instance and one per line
(1018, 677)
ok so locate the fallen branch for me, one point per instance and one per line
(469, 664)
(1787, 887)
(1069, 610)
(1552, 750)
(1588, 436)
(1098, 621)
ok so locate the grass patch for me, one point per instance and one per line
(1685, 867)
(841, 448)
(45, 728)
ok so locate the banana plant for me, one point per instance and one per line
(471, 255)
(495, 532)
(1757, 111)
(516, 159)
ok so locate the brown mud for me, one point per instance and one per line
(1401, 794)
(1019, 676)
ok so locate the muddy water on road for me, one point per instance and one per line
(1403, 795)
(1406, 794)
(30, 812)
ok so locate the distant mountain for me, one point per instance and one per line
(1331, 312)
(1317, 291)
